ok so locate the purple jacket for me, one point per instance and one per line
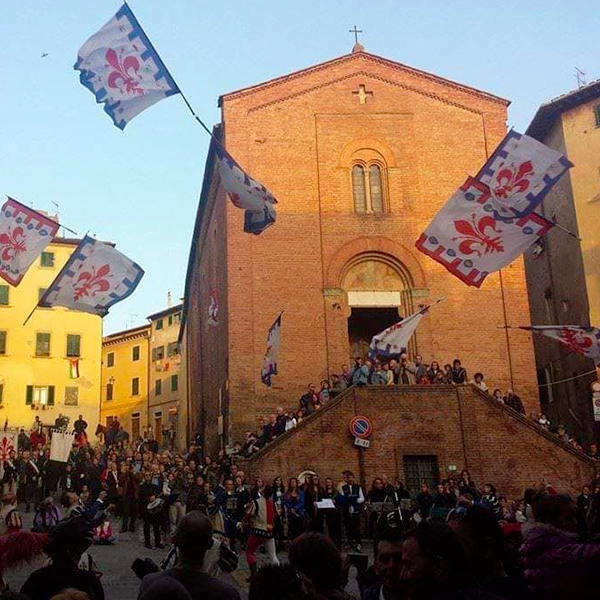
(557, 566)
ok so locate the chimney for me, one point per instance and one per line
(169, 300)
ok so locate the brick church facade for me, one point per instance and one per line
(361, 152)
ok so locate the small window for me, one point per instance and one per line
(159, 324)
(170, 320)
(135, 353)
(135, 386)
(47, 259)
(158, 353)
(597, 114)
(177, 317)
(40, 395)
(41, 292)
(109, 392)
(4, 295)
(158, 387)
(172, 349)
(419, 470)
(375, 189)
(42, 344)
(359, 188)
(3, 343)
(71, 396)
(1, 393)
(73, 345)
(174, 383)
(110, 359)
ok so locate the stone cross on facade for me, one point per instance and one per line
(362, 94)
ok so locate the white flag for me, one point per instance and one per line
(246, 193)
(24, 233)
(469, 242)
(120, 67)
(579, 339)
(269, 366)
(95, 277)
(61, 444)
(394, 340)
(520, 173)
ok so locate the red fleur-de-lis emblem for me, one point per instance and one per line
(125, 76)
(575, 340)
(511, 180)
(91, 282)
(12, 243)
(474, 236)
(6, 447)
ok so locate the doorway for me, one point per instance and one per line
(364, 323)
(158, 436)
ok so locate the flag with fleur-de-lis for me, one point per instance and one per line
(520, 173)
(24, 233)
(246, 193)
(579, 339)
(119, 65)
(465, 238)
(95, 277)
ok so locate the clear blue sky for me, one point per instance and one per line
(140, 188)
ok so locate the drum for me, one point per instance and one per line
(155, 506)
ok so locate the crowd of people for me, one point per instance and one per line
(456, 539)
(401, 371)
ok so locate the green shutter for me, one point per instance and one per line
(174, 383)
(73, 345)
(2, 342)
(50, 395)
(4, 295)
(29, 395)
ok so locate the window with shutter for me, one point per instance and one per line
(4, 295)
(1, 393)
(42, 344)
(174, 383)
(109, 392)
(135, 386)
(50, 395)
(135, 353)
(47, 259)
(158, 387)
(359, 189)
(597, 114)
(2, 342)
(73, 345)
(110, 359)
(29, 395)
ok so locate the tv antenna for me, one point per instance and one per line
(581, 78)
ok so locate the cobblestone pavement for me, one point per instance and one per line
(119, 581)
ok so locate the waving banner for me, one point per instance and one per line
(24, 233)
(269, 366)
(520, 173)
(119, 65)
(246, 193)
(394, 340)
(95, 277)
(579, 339)
(469, 242)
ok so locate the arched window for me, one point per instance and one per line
(375, 189)
(359, 188)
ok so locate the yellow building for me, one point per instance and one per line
(125, 371)
(38, 361)
(563, 273)
(165, 366)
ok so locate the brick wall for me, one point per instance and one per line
(297, 135)
(460, 426)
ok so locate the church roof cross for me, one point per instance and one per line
(355, 31)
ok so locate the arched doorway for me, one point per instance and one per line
(378, 289)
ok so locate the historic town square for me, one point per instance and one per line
(300, 301)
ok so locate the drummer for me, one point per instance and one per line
(151, 506)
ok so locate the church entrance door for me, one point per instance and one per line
(364, 323)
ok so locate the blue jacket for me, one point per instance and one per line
(297, 505)
(360, 375)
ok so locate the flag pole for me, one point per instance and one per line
(183, 96)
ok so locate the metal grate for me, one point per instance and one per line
(419, 469)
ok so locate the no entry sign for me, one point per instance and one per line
(361, 427)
